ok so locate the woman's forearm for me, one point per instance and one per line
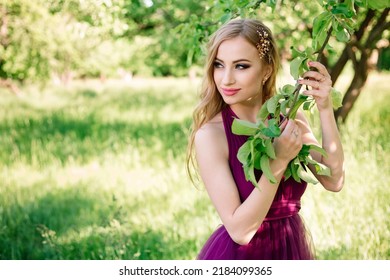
(250, 214)
(331, 143)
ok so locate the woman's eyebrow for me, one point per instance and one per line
(235, 61)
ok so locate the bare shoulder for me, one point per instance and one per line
(211, 136)
(211, 130)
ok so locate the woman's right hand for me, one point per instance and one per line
(289, 143)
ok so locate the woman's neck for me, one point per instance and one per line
(246, 112)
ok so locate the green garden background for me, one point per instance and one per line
(93, 139)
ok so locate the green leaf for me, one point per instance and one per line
(289, 89)
(295, 66)
(287, 173)
(342, 35)
(378, 4)
(250, 174)
(323, 170)
(350, 5)
(320, 28)
(269, 148)
(260, 134)
(243, 4)
(265, 167)
(283, 107)
(226, 17)
(243, 127)
(318, 149)
(263, 112)
(343, 9)
(307, 105)
(272, 104)
(305, 151)
(320, 22)
(252, 149)
(304, 67)
(273, 130)
(305, 176)
(294, 169)
(320, 168)
(295, 53)
(256, 158)
(337, 99)
(301, 98)
(243, 152)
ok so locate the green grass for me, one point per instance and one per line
(96, 171)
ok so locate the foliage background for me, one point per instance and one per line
(93, 143)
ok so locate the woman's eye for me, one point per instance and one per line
(217, 65)
(242, 66)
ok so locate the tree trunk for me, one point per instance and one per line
(361, 67)
(336, 70)
(353, 91)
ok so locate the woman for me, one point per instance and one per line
(241, 68)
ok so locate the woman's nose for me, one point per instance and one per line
(228, 77)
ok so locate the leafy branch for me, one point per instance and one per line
(258, 150)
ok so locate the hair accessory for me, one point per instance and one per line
(263, 46)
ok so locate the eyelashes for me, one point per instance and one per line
(242, 66)
(239, 66)
(217, 64)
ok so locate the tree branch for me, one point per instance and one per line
(352, 55)
(380, 26)
(299, 86)
(321, 50)
(343, 59)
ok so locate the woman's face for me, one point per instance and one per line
(239, 72)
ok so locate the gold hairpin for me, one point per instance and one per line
(263, 46)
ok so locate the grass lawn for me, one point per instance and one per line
(97, 171)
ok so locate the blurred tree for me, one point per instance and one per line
(24, 48)
(41, 38)
(292, 24)
(157, 21)
(94, 38)
(90, 38)
(372, 27)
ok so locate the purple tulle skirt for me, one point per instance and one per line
(280, 239)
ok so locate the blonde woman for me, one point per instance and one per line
(241, 70)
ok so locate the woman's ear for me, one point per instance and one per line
(268, 72)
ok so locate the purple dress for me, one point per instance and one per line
(281, 236)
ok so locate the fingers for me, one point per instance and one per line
(283, 124)
(320, 82)
(316, 85)
(316, 76)
(316, 79)
(292, 130)
(289, 126)
(320, 67)
(288, 145)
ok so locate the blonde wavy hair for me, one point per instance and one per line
(211, 102)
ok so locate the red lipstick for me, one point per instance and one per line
(230, 91)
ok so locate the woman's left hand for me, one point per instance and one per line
(320, 83)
